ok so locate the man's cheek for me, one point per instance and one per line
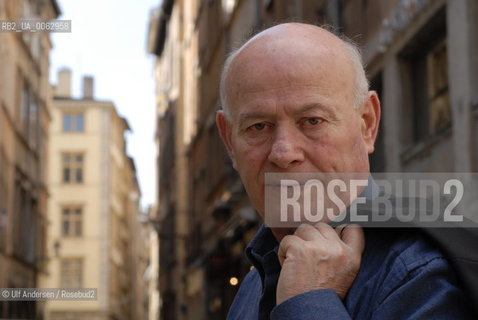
(323, 153)
(251, 159)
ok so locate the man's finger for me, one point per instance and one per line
(286, 243)
(326, 231)
(353, 236)
(340, 229)
(309, 233)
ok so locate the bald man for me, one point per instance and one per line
(295, 99)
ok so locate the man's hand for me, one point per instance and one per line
(319, 257)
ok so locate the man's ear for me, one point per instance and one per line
(225, 131)
(370, 114)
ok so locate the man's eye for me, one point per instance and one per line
(258, 126)
(314, 121)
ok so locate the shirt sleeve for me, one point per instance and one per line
(428, 291)
(312, 305)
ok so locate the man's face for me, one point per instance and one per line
(292, 111)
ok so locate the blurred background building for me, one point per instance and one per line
(95, 237)
(25, 112)
(421, 58)
(70, 213)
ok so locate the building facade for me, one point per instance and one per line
(25, 112)
(94, 232)
(152, 271)
(421, 58)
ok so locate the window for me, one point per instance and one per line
(426, 110)
(71, 273)
(438, 100)
(73, 122)
(72, 221)
(72, 168)
(34, 124)
(25, 235)
(25, 110)
(29, 115)
(430, 91)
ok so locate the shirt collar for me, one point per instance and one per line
(263, 243)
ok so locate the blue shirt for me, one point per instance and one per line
(402, 276)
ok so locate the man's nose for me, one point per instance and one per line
(286, 150)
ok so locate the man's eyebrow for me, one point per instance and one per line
(243, 117)
(329, 110)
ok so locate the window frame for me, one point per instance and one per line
(75, 126)
(74, 169)
(71, 272)
(415, 77)
(73, 219)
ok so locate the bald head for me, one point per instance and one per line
(309, 48)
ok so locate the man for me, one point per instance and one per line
(295, 99)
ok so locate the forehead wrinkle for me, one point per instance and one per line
(256, 90)
(315, 96)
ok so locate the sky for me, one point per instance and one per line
(108, 41)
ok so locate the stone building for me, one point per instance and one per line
(171, 161)
(25, 113)
(94, 217)
(421, 58)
